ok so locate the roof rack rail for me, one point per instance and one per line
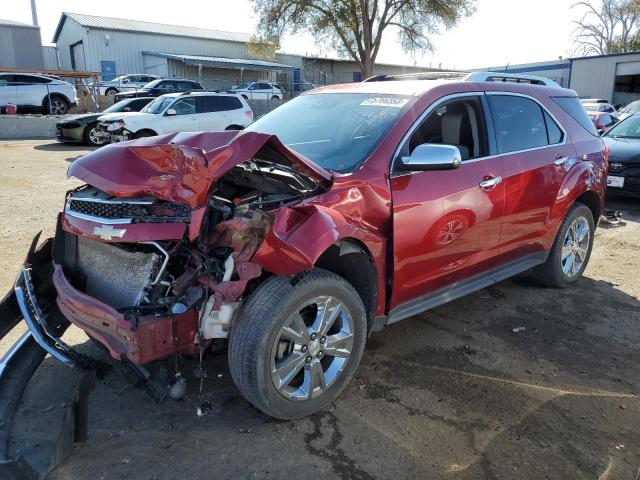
(509, 77)
(437, 75)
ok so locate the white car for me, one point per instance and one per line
(258, 91)
(179, 112)
(599, 107)
(124, 83)
(43, 93)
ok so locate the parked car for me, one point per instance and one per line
(630, 109)
(178, 112)
(602, 120)
(84, 128)
(259, 91)
(599, 107)
(160, 87)
(41, 93)
(624, 160)
(349, 208)
(125, 83)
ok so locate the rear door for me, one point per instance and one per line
(31, 89)
(211, 114)
(446, 224)
(536, 156)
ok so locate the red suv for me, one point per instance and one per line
(349, 208)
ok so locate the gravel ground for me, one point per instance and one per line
(453, 393)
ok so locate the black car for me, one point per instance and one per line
(84, 128)
(160, 87)
(624, 160)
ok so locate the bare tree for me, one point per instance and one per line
(355, 28)
(609, 27)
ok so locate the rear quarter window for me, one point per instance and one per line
(576, 110)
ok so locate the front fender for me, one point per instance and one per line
(300, 235)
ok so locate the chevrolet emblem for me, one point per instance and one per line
(107, 232)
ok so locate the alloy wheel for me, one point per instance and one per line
(312, 348)
(94, 136)
(58, 107)
(575, 247)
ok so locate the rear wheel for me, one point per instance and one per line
(296, 345)
(144, 133)
(56, 106)
(571, 250)
(91, 136)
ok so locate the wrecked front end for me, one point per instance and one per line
(155, 254)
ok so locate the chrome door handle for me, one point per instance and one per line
(560, 161)
(491, 182)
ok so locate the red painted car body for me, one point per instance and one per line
(429, 236)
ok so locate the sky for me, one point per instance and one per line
(499, 33)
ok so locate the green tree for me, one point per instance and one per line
(355, 28)
(607, 26)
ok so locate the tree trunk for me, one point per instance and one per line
(366, 68)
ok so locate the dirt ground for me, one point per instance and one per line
(452, 394)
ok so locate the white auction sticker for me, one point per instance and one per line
(386, 102)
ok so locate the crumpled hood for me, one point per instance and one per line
(180, 167)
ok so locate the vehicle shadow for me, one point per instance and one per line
(66, 147)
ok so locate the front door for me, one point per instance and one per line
(446, 224)
(8, 92)
(185, 118)
(536, 157)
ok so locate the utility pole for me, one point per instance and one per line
(34, 13)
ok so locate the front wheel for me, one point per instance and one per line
(111, 91)
(92, 135)
(571, 249)
(297, 343)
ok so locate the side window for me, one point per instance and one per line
(254, 86)
(186, 86)
(458, 122)
(231, 103)
(5, 79)
(185, 106)
(29, 80)
(554, 133)
(208, 104)
(519, 123)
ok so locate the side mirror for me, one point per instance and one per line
(170, 112)
(430, 156)
(126, 80)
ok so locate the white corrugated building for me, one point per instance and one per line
(115, 46)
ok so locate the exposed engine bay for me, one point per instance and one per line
(201, 277)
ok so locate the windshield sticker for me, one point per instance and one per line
(386, 102)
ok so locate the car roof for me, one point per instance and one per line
(419, 88)
(200, 93)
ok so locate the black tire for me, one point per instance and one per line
(551, 272)
(235, 127)
(57, 106)
(275, 97)
(88, 140)
(255, 336)
(244, 96)
(144, 134)
(111, 91)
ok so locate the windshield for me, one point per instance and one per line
(628, 128)
(152, 83)
(242, 86)
(158, 105)
(117, 107)
(337, 131)
(633, 107)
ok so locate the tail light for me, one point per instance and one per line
(249, 114)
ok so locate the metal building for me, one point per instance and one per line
(115, 46)
(615, 77)
(20, 45)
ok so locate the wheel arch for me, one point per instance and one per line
(592, 200)
(142, 130)
(350, 259)
(45, 99)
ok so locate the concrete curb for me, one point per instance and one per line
(28, 126)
